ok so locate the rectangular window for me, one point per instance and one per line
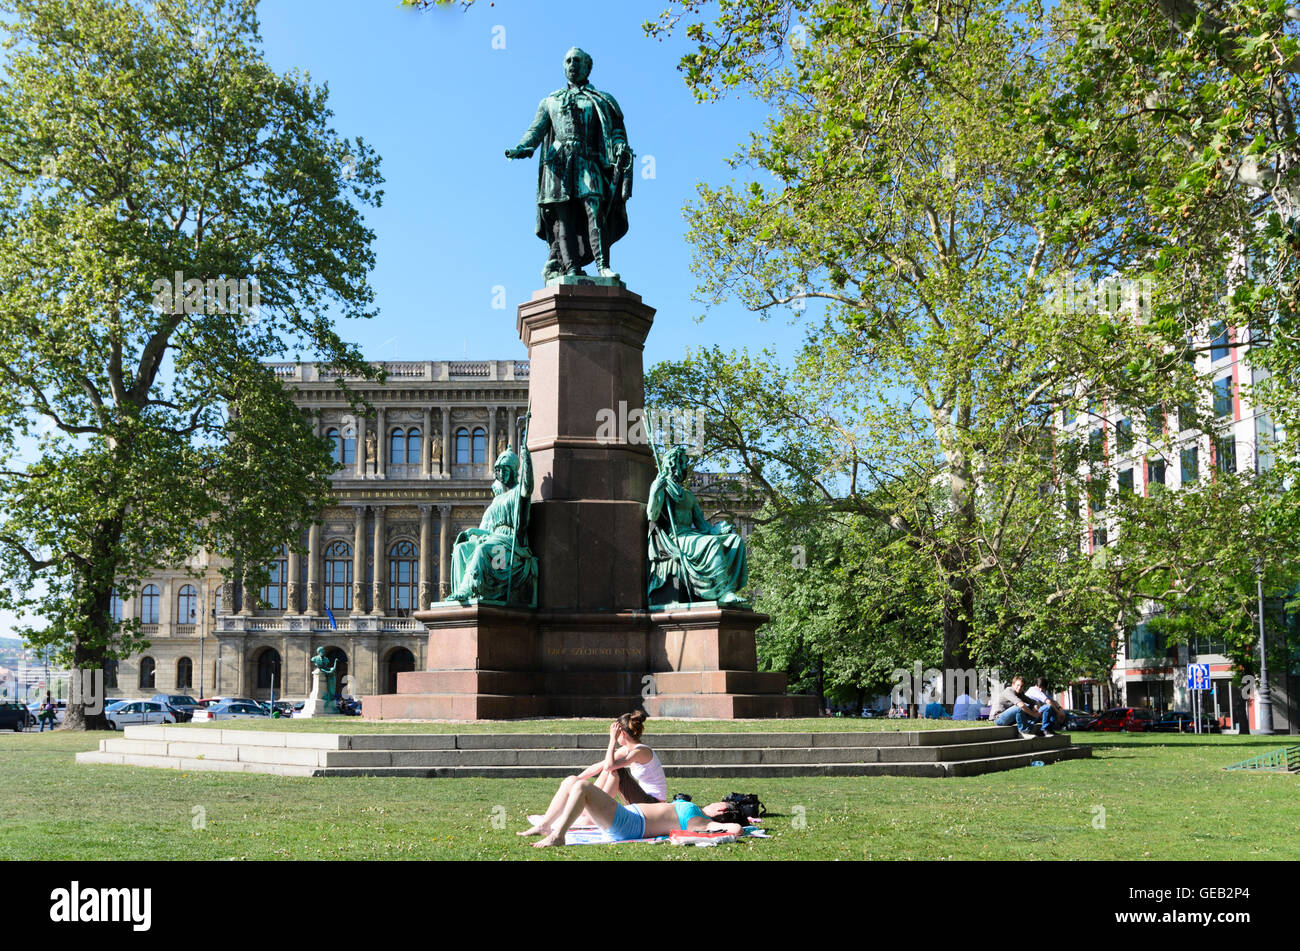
(1155, 473)
(1225, 455)
(1068, 415)
(1223, 397)
(1188, 465)
(1155, 418)
(1124, 435)
(1096, 494)
(1186, 417)
(1096, 446)
(1126, 482)
(1099, 538)
(1219, 349)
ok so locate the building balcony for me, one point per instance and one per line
(306, 624)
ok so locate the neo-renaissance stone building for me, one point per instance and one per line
(411, 475)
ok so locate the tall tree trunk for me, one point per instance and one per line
(93, 637)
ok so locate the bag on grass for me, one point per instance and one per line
(748, 804)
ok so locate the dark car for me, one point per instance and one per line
(1125, 719)
(1180, 721)
(182, 705)
(15, 716)
(1076, 720)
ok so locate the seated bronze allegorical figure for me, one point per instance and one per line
(493, 563)
(691, 559)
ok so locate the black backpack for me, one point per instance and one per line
(748, 804)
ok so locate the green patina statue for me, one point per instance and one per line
(493, 563)
(327, 667)
(584, 174)
(691, 559)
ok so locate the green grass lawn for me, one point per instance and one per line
(1165, 797)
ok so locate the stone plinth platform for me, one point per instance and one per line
(487, 662)
(966, 751)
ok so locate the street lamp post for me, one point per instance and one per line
(1263, 697)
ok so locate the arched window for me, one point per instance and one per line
(110, 673)
(268, 670)
(149, 604)
(273, 594)
(349, 456)
(184, 673)
(480, 446)
(414, 447)
(332, 435)
(397, 446)
(187, 605)
(337, 656)
(403, 577)
(462, 447)
(338, 576)
(146, 673)
(115, 607)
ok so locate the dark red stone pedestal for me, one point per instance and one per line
(590, 648)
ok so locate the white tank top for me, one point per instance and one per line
(650, 776)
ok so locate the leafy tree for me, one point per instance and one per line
(139, 140)
(1179, 117)
(889, 185)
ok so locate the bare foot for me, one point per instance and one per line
(534, 830)
(552, 839)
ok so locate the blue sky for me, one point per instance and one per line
(440, 104)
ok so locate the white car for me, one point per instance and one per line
(230, 710)
(138, 711)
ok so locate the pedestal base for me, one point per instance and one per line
(488, 662)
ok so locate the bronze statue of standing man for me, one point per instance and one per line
(584, 175)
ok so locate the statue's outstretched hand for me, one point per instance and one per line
(518, 153)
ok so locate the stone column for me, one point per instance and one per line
(444, 546)
(294, 569)
(446, 441)
(426, 446)
(313, 570)
(426, 587)
(492, 437)
(381, 441)
(379, 589)
(359, 562)
(515, 416)
(248, 596)
(360, 468)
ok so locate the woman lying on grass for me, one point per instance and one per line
(622, 823)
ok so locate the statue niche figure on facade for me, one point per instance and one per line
(584, 173)
(435, 453)
(493, 563)
(691, 559)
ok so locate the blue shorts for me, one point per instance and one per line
(628, 824)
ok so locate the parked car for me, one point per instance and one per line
(236, 710)
(1076, 720)
(282, 708)
(181, 703)
(14, 716)
(139, 711)
(1180, 721)
(1121, 719)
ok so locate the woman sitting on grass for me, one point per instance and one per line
(624, 823)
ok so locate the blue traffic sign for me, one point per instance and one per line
(1198, 677)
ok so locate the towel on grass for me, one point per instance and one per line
(594, 835)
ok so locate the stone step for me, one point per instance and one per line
(585, 741)
(966, 767)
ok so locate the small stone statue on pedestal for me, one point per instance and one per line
(326, 701)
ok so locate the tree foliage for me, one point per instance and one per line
(144, 144)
